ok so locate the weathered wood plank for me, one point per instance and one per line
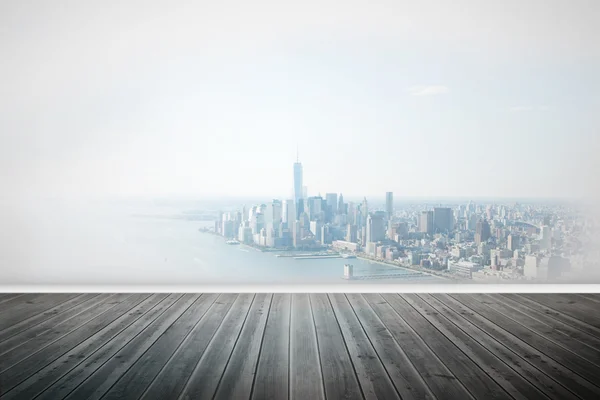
(568, 359)
(373, 377)
(306, 379)
(48, 337)
(547, 332)
(134, 382)
(442, 382)
(20, 300)
(470, 374)
(9, 296)
(32, 307)
(569, 306)
(514, 384)
(238, 377)
(518, 363)
(209, 370)
(45, 316)
(589, 296)
(339, 375)
(583, 345)
(52, 324)
(69, 381)
(299, 346)
(103, 378)
(559, 316)
(39, 381)
(405, 377)
(28, 366)
(171, 380)
(272, 373)
(558, 372)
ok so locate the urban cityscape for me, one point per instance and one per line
(479, 242)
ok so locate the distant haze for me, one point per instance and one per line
(422, 98)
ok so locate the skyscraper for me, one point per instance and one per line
(314, 207)
(364, 210)
(426, 222)
(273, 215)
(513, 242)
(289, 211)
(443, 219)
(332, 203)
(298, 187)
(389, 204)
(341, 207)
(351, 233)
(375, 228)
(482, 232)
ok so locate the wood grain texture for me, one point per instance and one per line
(339, 373)
(35, 384)
(172, 379)
(439, 378)
(548, 365)
(71, 380)
(306, 378)
(403, 374)
(98, 383)
(497, 347)
(272, 373)
(299, 346)
(208, 372)
(561, 355)
(46, 318)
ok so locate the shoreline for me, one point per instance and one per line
(361, 257)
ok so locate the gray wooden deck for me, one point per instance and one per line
(278, 346)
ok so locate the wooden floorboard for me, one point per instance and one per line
(556, 324)
(22, 311)
(134, 382)
(38, 382)
(497, 346)
(299, 346)
(31, 346)
(272, 373)
(559, 316)
(544, 328)
(71, 380)
(569, 305)
(405, 377)
(207, 374)
(438, 377)
(471, 375)
(372, 376)
(169, 383)
(19, 335)
(513, 383)
(306, 378)
(339, 372)
(101, 380)
(51, 316)
(557, 371)
(238, 378)
(570, 360)
(21, 300)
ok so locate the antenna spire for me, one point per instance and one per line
(297, 154)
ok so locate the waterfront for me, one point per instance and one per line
(114, 244)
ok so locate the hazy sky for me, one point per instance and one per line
(423, 98)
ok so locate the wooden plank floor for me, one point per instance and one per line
(300, 346)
